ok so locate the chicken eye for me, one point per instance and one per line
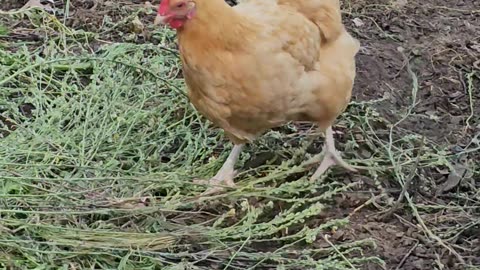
(181, 5)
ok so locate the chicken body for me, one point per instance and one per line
(264, 63)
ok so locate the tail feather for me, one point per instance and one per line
(324, 13)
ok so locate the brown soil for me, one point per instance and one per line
(440, 42)
(441, 55)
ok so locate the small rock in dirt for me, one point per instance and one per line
(417, 52)
(420, 264)
(358, 22)
(432, 115)
(390, 230)
(359, 138)
(137, 26)
(407, 241)
(454, 178)
(338, 235)
(148, 4)
(443, 171)
(46, 5)
(421, 249)
(399, 3)
(365, 154)
(476, 47)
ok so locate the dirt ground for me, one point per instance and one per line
(439, 42)
(428, 34)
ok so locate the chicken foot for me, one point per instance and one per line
(331, 156)
(226, 174)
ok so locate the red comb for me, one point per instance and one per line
(163, 9)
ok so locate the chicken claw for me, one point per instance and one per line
(226, 174)
(331, 157)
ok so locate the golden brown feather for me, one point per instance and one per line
(264, 63)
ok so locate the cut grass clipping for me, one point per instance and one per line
(98, 155)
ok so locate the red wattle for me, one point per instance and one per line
(176, 23)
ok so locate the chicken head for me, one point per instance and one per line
(175, 12)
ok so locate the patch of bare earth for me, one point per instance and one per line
(435, 46)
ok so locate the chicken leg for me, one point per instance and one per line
(331, 156)
(226, 174)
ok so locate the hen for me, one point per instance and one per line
(263, 63)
